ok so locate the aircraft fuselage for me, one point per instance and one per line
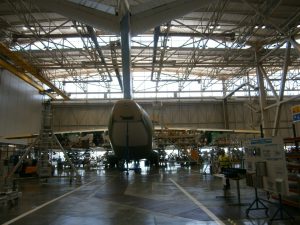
(130, 131)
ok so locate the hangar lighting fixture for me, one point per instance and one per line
(256, 27)
(298, 26)
(263, 27)
(211, 26)
(24, 28)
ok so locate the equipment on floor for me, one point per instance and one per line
(42, 148)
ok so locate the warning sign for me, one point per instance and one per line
(296, 113)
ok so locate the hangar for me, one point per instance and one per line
(212, 76)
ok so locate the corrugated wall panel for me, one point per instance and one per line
(21, 106)
(198, 114)
(78, 117)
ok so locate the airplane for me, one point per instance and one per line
(130, 128)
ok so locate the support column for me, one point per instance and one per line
(225, 114)
(225, 108)
(126, 56)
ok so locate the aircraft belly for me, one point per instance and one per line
(136, 135)
(139, 152)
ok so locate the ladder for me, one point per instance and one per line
(43, 146)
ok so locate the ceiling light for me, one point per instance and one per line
(218, 27)
(256, 27)
(79, 28)
(31, 28)
(263, 27)
(298, 26)
(24, 28)
(211, 26)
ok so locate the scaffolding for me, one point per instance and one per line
(42, 146)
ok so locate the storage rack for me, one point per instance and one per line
(293, 168)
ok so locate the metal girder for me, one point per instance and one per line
(18, 60)
(283, 101)
(155, 42)
(282, 87)
(162, 55)
(262, 100)
(238, 88)
(24, 77)
(15, 37)
(221, 36)
(263, 15)
(165, 65)
(114, 57)
(98, 49)
(295, 45)
(272, 51)
(217, 36)
(263, 72)
(29, 19)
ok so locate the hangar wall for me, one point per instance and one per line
(180, 114)
(21, 106)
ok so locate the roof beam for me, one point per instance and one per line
(18, 60)
(155, 42)
(215, 36)
(114, 59)
(98, 49)
(238, 88)
(24, 77)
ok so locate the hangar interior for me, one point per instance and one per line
(206, 72)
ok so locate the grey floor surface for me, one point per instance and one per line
(171, 195)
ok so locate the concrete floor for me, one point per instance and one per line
(171, 195)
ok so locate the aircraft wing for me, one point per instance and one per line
(240, 131)
(191, 137)
(20, 136)
(101, 18)
(28, 136)
(156, 128)
(143, 17)
(156, 13)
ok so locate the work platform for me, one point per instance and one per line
(171, 195)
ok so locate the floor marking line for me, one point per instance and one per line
(45, 204)
(199, 204)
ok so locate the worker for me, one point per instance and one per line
(224, 163)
